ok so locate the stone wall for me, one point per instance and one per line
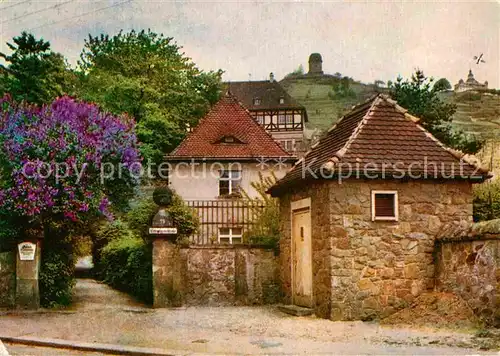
(214, 275)
(7, 279)
(373, 268)
(468, 264)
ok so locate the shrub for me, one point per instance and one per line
(140, 216)
(185, 219)
(127, 265)
(9, 232)
(56, 279)
(265, 229)
(109, 231)
(162, 196)
(487, 201)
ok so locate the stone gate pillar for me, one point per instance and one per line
(28, 262)
(167, 280)
(167, 276)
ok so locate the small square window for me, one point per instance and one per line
(385, 205)
(230, 235)
(282, 100)
(256, 101)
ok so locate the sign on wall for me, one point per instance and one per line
(27, 251)
(163, 230)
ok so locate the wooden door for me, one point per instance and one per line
(301, 258)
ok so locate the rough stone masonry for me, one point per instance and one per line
(364, 269)
(468, 265)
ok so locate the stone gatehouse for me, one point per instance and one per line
(360, 245)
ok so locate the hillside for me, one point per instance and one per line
(324, 106)
(477, 113)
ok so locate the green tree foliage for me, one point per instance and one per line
(33, 72)
(265, 229)
(341, 88)
(297, 72)
(441, 85)
(146, 75)
(418, 96)
(141, 215)
(487, 201)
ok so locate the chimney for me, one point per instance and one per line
(271, 77)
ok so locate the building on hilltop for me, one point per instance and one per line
(470, 84)
(360, 212)
(275, 110)
(315, 64)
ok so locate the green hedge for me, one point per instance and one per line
(126, 264)
(109, 231)
(56, 277)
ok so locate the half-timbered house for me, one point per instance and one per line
(274, 109)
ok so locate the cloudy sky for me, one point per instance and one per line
(366, 40)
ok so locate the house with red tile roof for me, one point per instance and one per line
(359, 213)
(220, 159)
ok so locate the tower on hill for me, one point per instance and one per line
(315, 64)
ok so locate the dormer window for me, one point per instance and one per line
(256, 101)
(229, 139)
(282, 100)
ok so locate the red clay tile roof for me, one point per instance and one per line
(228, 118)
(268, 92)
(378, 138)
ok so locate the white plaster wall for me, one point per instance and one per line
(198, 182)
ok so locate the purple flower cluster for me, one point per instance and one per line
(51, 157)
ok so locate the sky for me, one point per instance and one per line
(366, 40)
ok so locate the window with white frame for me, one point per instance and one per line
(282, 100)
(385, 205)
(288, 145)
(256, 101)
(230, 235)
(259, 118)
(281, 119)
(229, 182)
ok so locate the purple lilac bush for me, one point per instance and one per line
(51, 159)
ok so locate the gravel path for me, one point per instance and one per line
(103, 315)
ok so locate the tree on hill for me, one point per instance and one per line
(418, 96)
(297, 72)
(33, 72)
(341, 88)
(146, 75)
(441, 85)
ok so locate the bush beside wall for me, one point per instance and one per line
(126, 264)
(109, 231)
(56, 279)
(7, 279)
